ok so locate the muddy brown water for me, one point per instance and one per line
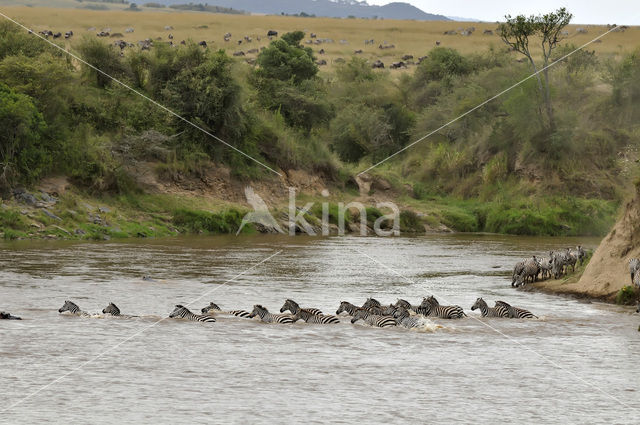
(578, 363)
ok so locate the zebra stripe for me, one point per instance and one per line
(405, 304)
(72, 308)
(267, 317)
(405, 320)
(371, 302)
(373, 319)
(213, 307)
(293, 307)
(309, 317)
(431, 307)
(486, 311)
(113, 310)
(184, 313)
(515, 312)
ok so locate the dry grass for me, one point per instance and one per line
(409, 37)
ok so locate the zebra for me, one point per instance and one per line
(530, 270)
(431, 307)
(634, 265)
(72, 308)
(267, 317)
(309, 317)
(581, 254)
(7, 316)
(545, 267)
(404, 304)
(517, 269)
(571, 259)
(293, 307)
(486, 311)
(347, 307)
(515, 312)
(405, 320)
(113, 310)
(183, 312)
(213, 307)
(371, 302)
(373, 319)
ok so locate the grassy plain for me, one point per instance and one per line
(409, 37)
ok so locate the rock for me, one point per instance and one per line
(61, 229)
(26, 198)
(80, 232)
(104, 210)
(324, 193)
(48, 198)
(51, 215)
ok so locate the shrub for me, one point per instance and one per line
(628, 295)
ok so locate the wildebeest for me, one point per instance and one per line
(321, 52)
(120, 43)
(239, 42)
(422, 58)
(203, 43)
(358, 52)
(378, 64)
(240, 53)
(68, 34)
(398, 65)
(129, 30)
(170, 36)
(252, 51)
(487, 32)
(321, 62)
(407, 57)
(313, 35)
(228, 35)
(103, 34)
(438, 42)
(386, 46)
(370, 41)
(272, 33)
(227, 38)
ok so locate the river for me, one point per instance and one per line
(578, 363)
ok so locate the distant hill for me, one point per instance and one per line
(328, 8)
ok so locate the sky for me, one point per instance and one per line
(621, 12)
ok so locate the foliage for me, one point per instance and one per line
(628, 295)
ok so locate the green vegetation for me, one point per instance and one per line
(502, 168)
(628, 295)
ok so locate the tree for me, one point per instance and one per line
(21, 154)
(285, 59)
(517, 32)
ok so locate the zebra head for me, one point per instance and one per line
(371, 302)
(345, 306)
(111, 309)
(290, 305)
(425, 306)
(258, 310)
(360, 313)
(211, 306)
(400, 313)
(402, 303)
(177, 311)
(479, 304)
(431, 300)
(69, 306)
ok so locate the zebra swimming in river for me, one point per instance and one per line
(113, 310)
(373, 319)
(213, 307)
(309, 317)
(515, 312)
(183, 312)
(293, 307)
(405, 320)
(347, 307)
(486, 311)
(267, 317)
(431, 307)
(72, 308)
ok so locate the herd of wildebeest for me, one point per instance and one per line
(146, 44)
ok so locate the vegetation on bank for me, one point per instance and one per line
(500, 169)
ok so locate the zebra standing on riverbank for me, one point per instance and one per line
(373, 319)
(267, 317)
(515, 312)
(486, 311)
(309, 317)
(72, 308)
(213, 307)
(293, 307)
(634, 266)
(183, 312)
(431, 307)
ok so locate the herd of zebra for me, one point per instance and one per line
(556, 265)
(372, 312)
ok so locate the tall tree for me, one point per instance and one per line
(517, 33)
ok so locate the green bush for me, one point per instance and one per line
(205, 222)
(628, 295)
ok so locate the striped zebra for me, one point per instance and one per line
(267, 317)
(517, 270)
(404, 319)
(431, 307)
(582, 255)
(405, 304)
(293, 307)
(113, 310)
(373, 319)
(486, 311)
(347, 307)
(183, 312)
(515, 312)
(634, 265)
(371, 302)
(213, 307)
(72, 308)
(309, 317)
